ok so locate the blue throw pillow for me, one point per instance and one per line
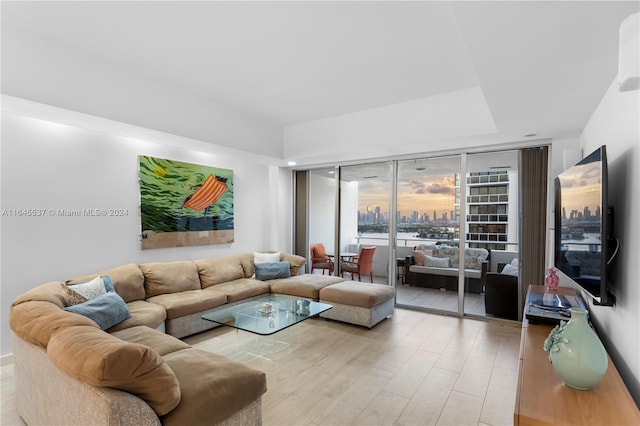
(270, 271)
(106, 310)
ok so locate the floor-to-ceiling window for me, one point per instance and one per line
(428, 220)
(365, 221)
(492, 224)
(315, 213)
(462, 210)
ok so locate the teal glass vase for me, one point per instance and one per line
(576, 352)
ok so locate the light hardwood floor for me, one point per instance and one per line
(414, 368)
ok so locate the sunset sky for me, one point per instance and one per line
(421, 194)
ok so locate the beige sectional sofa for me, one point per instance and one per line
(70, 371)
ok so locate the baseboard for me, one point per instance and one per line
(6, 360)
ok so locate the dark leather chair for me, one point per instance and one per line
(501, 295)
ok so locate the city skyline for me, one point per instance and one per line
(418, 194)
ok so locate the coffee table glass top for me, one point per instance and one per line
(268, 314)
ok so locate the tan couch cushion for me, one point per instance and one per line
(357, 294)
(156, 340)
(247, 264)
(170, 277)
(189, 302)
(213, 387)
(295, 261)
(306, 285)
(142, 313)
(220, 270)
(37, 321)
(100, 359)
(127, 280)
(51, 292)
(241, 289)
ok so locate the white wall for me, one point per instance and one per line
(48, 165)
(616, 124)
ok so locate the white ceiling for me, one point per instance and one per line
(542, 67)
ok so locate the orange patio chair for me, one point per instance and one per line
(362, 264)
(319, 258)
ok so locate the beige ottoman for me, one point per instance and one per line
(307, 285)
(358, 303)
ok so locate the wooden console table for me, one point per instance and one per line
(542, 397)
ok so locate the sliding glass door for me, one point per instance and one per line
(442, 229)
(492, 227)
(365, 192)
(428, 230)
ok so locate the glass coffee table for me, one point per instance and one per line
(268, 316)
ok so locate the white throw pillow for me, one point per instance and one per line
(94, 288)
(266, 257)
(510, 270)
(438, 262)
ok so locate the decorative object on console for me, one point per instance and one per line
(184, 204)
(551, 280)
(576, 353)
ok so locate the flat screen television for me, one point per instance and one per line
(584, 226)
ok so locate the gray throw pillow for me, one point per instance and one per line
(273, 270)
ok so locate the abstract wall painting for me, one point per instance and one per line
(184, 204)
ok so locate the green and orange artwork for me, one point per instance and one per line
(184, 197)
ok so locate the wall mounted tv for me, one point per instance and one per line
(584, 243)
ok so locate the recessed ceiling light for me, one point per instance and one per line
(530, 135)
(370, 177)
(419, 169)
(291, 163)
(331, 172)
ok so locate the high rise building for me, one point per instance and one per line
(491, 220)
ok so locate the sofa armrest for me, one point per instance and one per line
(46, 395)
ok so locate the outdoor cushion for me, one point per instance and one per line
(438, 262)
